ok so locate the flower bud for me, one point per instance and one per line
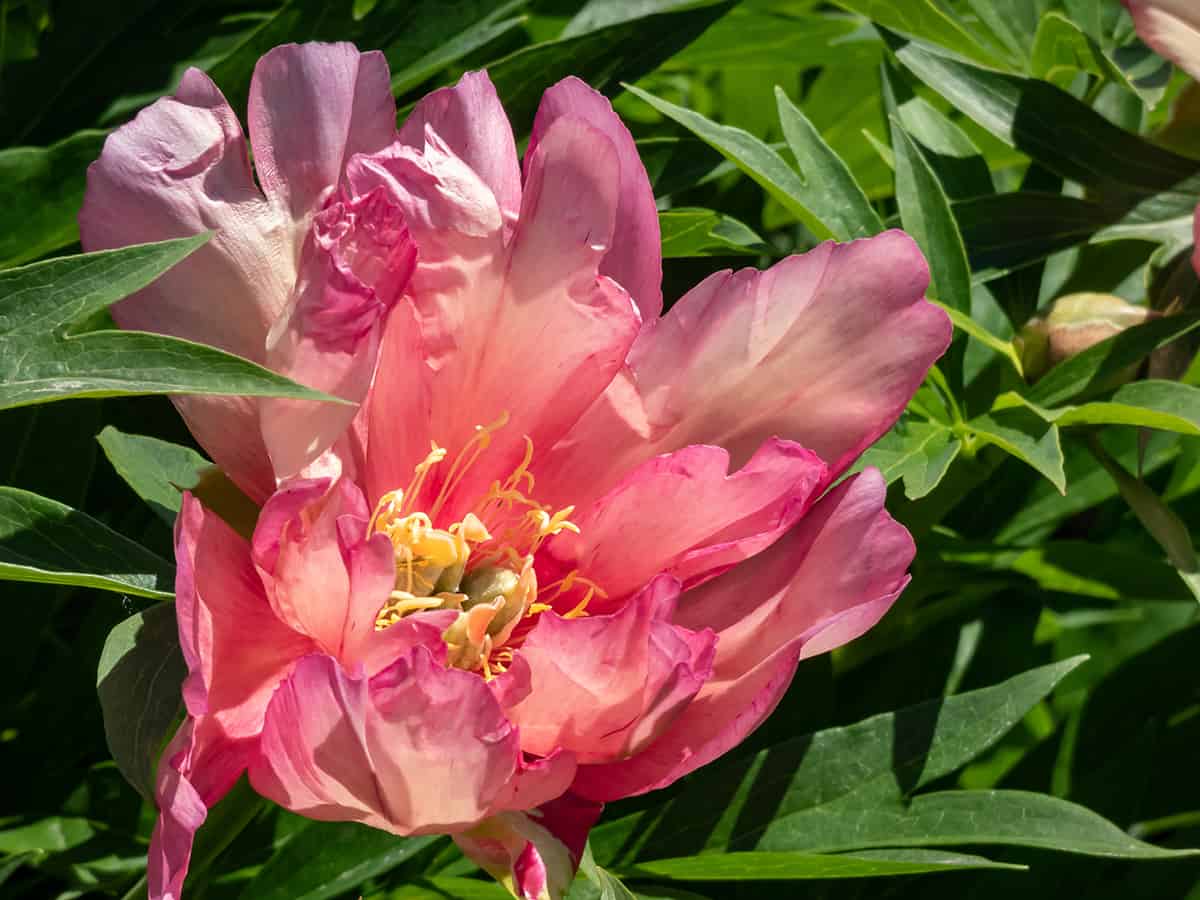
(1074, 323)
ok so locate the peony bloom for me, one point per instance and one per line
(574, 548)
(299, 275)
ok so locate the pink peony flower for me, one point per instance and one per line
(576, 548)
(298, 276)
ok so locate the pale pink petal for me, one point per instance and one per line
(635, 259)
(529, 331)
(1172, 28)
(470, 120)
(685, 514)
(826, 582)
(824, 349)
(312, 107)
(418, 749)
(181, 168)
(197, 769)
(604, 686)
(356, 263)
(236, 648)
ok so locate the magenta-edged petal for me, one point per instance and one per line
(604, 686)
(635, 259)
(824, 349)
(356, 263)
(236, 648)
(685, 514)
(529, 332)
(534, 855)
(1172, 28)
(197, 769)
(419, 748)
(826, 582)
(312, 107)
(469, 118)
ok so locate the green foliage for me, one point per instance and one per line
(1032, 148)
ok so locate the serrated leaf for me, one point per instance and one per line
(876, 761)
(327, 859)
(690, 232)
(139, 681)
(1026, 436)
(157, 470)
(787, 866)
(42, 360)
(44, 541)
(762, 164)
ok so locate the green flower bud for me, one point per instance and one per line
(1074, 323)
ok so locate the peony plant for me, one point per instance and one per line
(567, 548)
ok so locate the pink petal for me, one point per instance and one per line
(418, 749)
(825, 583)
(312, 107)
(178, 169)
(355, 265)
(604, 686)
(530, 330)
(1172, 28)
(236, 648)
(197, 769)
(635, 259)
(683, 513)
(824, 349)
(470, 120)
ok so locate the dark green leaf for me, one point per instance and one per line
(156, 470)
(42, 189)
(44, 541)
(140, 681)
(786, 866)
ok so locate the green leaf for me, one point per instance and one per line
(442, 887)
(821, 211)
(1166, 405)
(44, 541)
(42, 189)
(1063, 134)
(874, 762)
(1026, 436)
(918, 452)
(140, 681)
(156, 470)
(1061, 49)
(1164, 217)
(1094, 369)
(604, 58)
(836, 196)
(927, 21)
(786, 866)
(42, 360)
(327, 859)
(703, 232)
(925, 214)
(596, 883)
(458, 44)
(963, 322)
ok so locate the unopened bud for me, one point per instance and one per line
(1074, 323)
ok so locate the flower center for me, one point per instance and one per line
(482, 565)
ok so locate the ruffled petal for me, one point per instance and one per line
(470, 120)
(824, 349)
(418, 749)
(685, 514)
(605, 686)
(312, 107)
(236, 648)
(825, 583)
(529, 332)
(634, 260)
(1172, 28)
